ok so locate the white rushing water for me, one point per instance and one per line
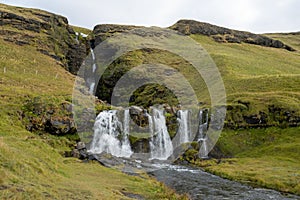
(93, 54)
(111, 133)
(125, 146)
(160, 144)
(184, 130)
(150, 123)
(92, 87)
(203, 151)
(106, 135)
(94, 68)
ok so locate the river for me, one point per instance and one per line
(201, 185)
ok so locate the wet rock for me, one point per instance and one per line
(135, 110)
(79, 152)
(141, 146)
(80, 145)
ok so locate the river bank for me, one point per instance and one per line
(202, 185)
(267, 158)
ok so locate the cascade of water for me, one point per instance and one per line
(94, 67)
(160, 143)
(93, 54)
(150, 123)
(77, 36)
(92, 87)
(184, 126)
(106, 132)
(125, 141)
(203, 152)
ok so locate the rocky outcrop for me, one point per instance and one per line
(242, 116)
(221, 34)
(48, 32)
(39, 115)
(103, 31)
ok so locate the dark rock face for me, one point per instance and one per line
(141, 146)
(103, 31)
(59, 126)
(221, 34)
(48, 32)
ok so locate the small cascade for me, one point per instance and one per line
(125, 141)
(184, 130)
(93, 54)
(77, 37)
(150, 123)
(160, 143)
(106, 135)
(94, 68)
(203, 125)
(112, 132)
(92, 87)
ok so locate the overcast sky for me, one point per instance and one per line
(257, 16)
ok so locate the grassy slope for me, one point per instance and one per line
(259, 75)
(262, 77)
(264, 157)
(30, 168)
(261, 157)
(255, 77)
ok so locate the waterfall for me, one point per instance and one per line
(160, 143)
(77, 36)
(125, 141)
(184, 130)
(94, 68)
(93, 54)
(150, 123)
(92, 87)
(106, 135)
(203, 152)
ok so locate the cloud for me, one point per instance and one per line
(249, 15)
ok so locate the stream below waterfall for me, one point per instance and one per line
(202, 185)
(113, 145)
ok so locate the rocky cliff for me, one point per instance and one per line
(49, 33)
(221, 34)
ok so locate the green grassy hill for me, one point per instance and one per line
(258, 80)
(260, 142)
(32, 165)
(36, 57)
(262, 82)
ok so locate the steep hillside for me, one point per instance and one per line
(36, 48)
(50, 34)
(261, 74)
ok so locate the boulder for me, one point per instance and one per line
(59, 126)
